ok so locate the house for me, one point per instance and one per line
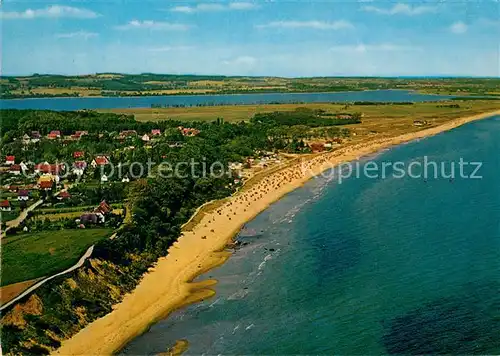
(125, 179)
(23, 195)
(103, 208)
(54, 135)
(63, 195)
(46, 184)
(5, 205)
(327, 145)
(104, 178)
(91, 218)
(145, 138)
(79, 167)
(35, 136)
(99, 161)
(26, 139)
(78, 154)
(188, 131)
(81, 133)
(15, 169)
(10, 160)
(155, 132)
(127, 133)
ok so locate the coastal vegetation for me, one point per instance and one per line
(116, 84)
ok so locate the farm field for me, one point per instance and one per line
(235, 113)
(33, 255)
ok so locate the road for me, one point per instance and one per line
(24, 214)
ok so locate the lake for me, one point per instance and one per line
(368, 266)
(68, 104)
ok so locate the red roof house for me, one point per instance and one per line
(5, 205)
(99, 161)
(78, 154)
(64, 195)
(155, 132)
(46, 184)
(103, 208)
(15, 169)
(10, 159)
(54, 134)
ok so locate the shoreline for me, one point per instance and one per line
(168, 285)
(414, 91)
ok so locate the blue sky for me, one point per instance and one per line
(244, 37)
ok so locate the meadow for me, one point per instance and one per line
(29, 256)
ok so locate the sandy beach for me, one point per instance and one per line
(168, 286)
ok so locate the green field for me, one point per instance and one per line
(30, 256)
(382, 111)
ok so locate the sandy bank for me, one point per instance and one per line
(168, 286)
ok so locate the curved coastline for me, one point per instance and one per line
(168, 286)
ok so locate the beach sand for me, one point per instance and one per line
(168, 287)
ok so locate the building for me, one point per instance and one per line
(26, 139)
(79, 167)
(35, 136)
(78, 154)
(145, 138)
(23, 195)
(104, 208)
(10, 160)
(91, 218)
(104, 178)
(155, 132)
(99, 161)
(63, 195)
(185, 131)
(15, 169)
(46, 184)
(125, 179)
(5, 205)
(54, 135)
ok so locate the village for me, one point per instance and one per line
(58, 188)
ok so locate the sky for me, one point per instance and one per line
(293, 38)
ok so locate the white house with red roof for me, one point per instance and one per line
(54, 134)
(155, 132)
(10, 160)
(99, 161)
(5, 205)
(15, 169)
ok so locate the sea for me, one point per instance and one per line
(68, 104)
(386, 264)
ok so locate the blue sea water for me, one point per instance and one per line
(67, 104)
(368, 266)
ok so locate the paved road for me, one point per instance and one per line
(17, 221)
